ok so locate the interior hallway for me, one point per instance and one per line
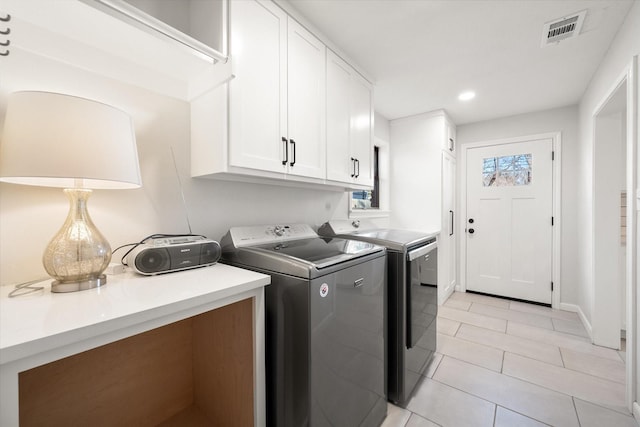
(506, 363)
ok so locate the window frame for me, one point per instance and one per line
(381, 177)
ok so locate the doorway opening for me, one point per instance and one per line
(610, 220)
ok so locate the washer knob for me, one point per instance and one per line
(356, 223)
(278, 230)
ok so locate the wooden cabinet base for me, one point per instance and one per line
(198, 371)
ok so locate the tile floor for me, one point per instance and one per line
(505, 363)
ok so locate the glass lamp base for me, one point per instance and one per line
(78, 254)
(82, 285)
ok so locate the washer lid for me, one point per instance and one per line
(317, 253)
(393, 239)
(305, 258)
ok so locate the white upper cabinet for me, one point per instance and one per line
(292, 113)
(306, 103)
(258, 93)
(340, 166)
(362, 129)
(277, 99)
(349, 124)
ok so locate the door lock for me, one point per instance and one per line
(471, 231)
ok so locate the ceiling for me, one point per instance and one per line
(422, 53)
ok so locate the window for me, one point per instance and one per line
(369, 199)
(506, 171)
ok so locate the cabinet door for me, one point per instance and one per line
(257, 94)
(448, 235)
(339, 164)
(450, 138)
(362, 128)
(306, 103)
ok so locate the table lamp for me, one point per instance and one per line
(57, 140)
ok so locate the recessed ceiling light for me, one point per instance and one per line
(466, 96)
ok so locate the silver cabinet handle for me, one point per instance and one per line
(358, 283)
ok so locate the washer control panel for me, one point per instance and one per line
(263, 234)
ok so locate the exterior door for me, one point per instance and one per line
(509, 220)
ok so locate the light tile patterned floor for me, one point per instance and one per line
(503, 363)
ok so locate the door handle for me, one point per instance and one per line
(451, 217)
(358, 283)
(293, 154)
(286, 151)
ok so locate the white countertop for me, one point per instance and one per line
(42, 321)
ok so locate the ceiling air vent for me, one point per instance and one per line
(563, 28)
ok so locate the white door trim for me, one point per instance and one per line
(556, 137)
(630, 75)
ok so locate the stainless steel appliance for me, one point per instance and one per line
(412, 300)
(325, 326)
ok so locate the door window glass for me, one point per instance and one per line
(507, 170)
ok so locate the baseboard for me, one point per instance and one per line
(576, 309)
(636, 412)
(448, 293)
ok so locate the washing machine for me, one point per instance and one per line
(325, 324)
(412, 299)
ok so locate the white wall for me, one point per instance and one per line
(30, 216)
(564, 120)
(381, 127)
(618, 58)
(614, 64)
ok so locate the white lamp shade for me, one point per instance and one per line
(57, 140)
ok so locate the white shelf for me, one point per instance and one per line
(43, 327)
(72, 32)
(43, 321)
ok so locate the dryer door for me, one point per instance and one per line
(422, 293)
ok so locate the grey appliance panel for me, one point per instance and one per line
(412, 313)
(348, 346)
(422, 281)
(287, 350)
